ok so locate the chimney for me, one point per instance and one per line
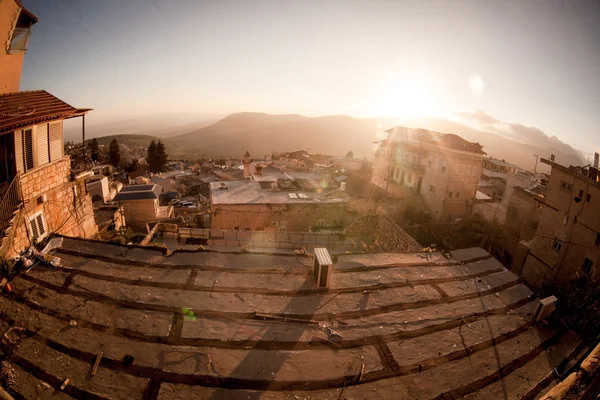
(596, 159)
(552, 157)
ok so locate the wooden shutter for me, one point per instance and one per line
(34, 231)
(56, 141)
(28, 149)
(40, 223)
(42, 144)
(19, 151)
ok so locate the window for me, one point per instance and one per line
(587, 266)
(27, 141)
(19, 39)
(431, 189)
(282, 230)
(430, 163)
(236, 228)
(320, 222)
(37, 226)
(457, 195)
(557, 245)
(443, 168)
(581, 194)
(274, 223)
(597, 241)
(449, 195)
(247, 229)
(409, 178)
(588, 198)
(566, 186)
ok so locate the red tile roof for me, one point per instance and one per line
(25, 108)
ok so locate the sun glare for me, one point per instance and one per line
(405, 96)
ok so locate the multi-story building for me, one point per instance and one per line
(566, 245)
(443, 168)
(38, 192)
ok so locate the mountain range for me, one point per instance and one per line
(262, 134)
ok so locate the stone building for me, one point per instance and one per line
(299, 160)
(39, 194)
(566, 245)
(280, 206)
(443, 169)
(141, 205)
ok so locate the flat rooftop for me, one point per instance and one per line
(207, 325)
(243, 192)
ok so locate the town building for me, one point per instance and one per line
(141, 205)
(299, 160)
(281, 206)
(443, 169)
(566, 245)
(39, 193)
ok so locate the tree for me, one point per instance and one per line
(151, 157)
(95, 150)
(114, 154)
(161, 157)
(350, 154)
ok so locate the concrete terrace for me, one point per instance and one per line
(207, 325)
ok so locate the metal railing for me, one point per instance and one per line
(10, 203)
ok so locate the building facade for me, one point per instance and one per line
(443, 169)
(39, 194)
(274, 207)
(141, 205)
(566, 245)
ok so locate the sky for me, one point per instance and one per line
(534, 63)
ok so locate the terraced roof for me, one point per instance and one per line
(207, 325)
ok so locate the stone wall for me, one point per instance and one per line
(67, 208)
(266, 240)
(297, 217)
(386, 233)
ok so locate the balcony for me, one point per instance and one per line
(11, 200)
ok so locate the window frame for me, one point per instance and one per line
(34, 218)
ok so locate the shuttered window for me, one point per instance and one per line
(37, 227)
(27, 149)
(55, 139)
(42, 144)
(19, 151)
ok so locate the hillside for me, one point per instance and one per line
(263, 134)
(129, 140)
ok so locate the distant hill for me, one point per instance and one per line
(263, 134)
(129, 140)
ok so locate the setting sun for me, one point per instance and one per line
(405, 96)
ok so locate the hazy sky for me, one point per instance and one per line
(531, 62)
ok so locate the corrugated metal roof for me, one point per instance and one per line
(25, 108)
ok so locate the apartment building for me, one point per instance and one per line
(38, 192)
(566, 245)
(443, 169)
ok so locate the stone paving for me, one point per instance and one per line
(208, 325)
